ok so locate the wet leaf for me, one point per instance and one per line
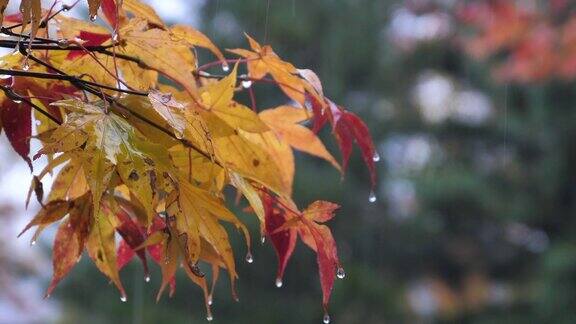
(17, 124)
(70, 240)
(284, 241)
(284, 121)
(101, 247)
(142, 143)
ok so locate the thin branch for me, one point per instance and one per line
(216, 63)
(83, 85)
(69, 78)
(252, 99)
(16, 97)
(87, 86)
(247, 78)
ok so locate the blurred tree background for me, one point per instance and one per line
(474, 220)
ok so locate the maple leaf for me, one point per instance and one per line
(112, 144)
(3, 5)
(133, 235)
(157, 50)
(284, 223)
(349, 128)
(217, 98)
(116, 15)
(70, 239)
(17, 124)
(31, 12)
(89, 39)
(232, 147)
(93, 6)
(147, 143)
(283, 241)
(49, 214)
(101, 246)
(319, 238)
(262, 61)
(284, 120)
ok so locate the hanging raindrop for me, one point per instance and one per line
(26, 66)
(279, 282)
(123, 298)
(372, 197)
(246, 84)
(18, 49)
(210, 301)
(249, 257)
(17, 101)
(93, 18)
(263, 239)
(147, 278)
(63, 43)
(33, 243)
(65, 8)
(209, 317)
(326, 319)
(225, 67)
(376, 156)
(340, 273)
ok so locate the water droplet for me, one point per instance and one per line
(246, 84)
(63, 43)
(326, 319)
(263, 239)
(372, 197)
(26, 66)
(249, 257)
(123, 298)
(209, 317)
(225, 67)
(340, 273)
(17, 101)
(115, 36)
(38, 123)
(376, 156)
(279, 282)
(147, 278)
(5, 76)
(17, 50)
(65, 8)
(93, 18)
(210, 301)
(33, 243)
